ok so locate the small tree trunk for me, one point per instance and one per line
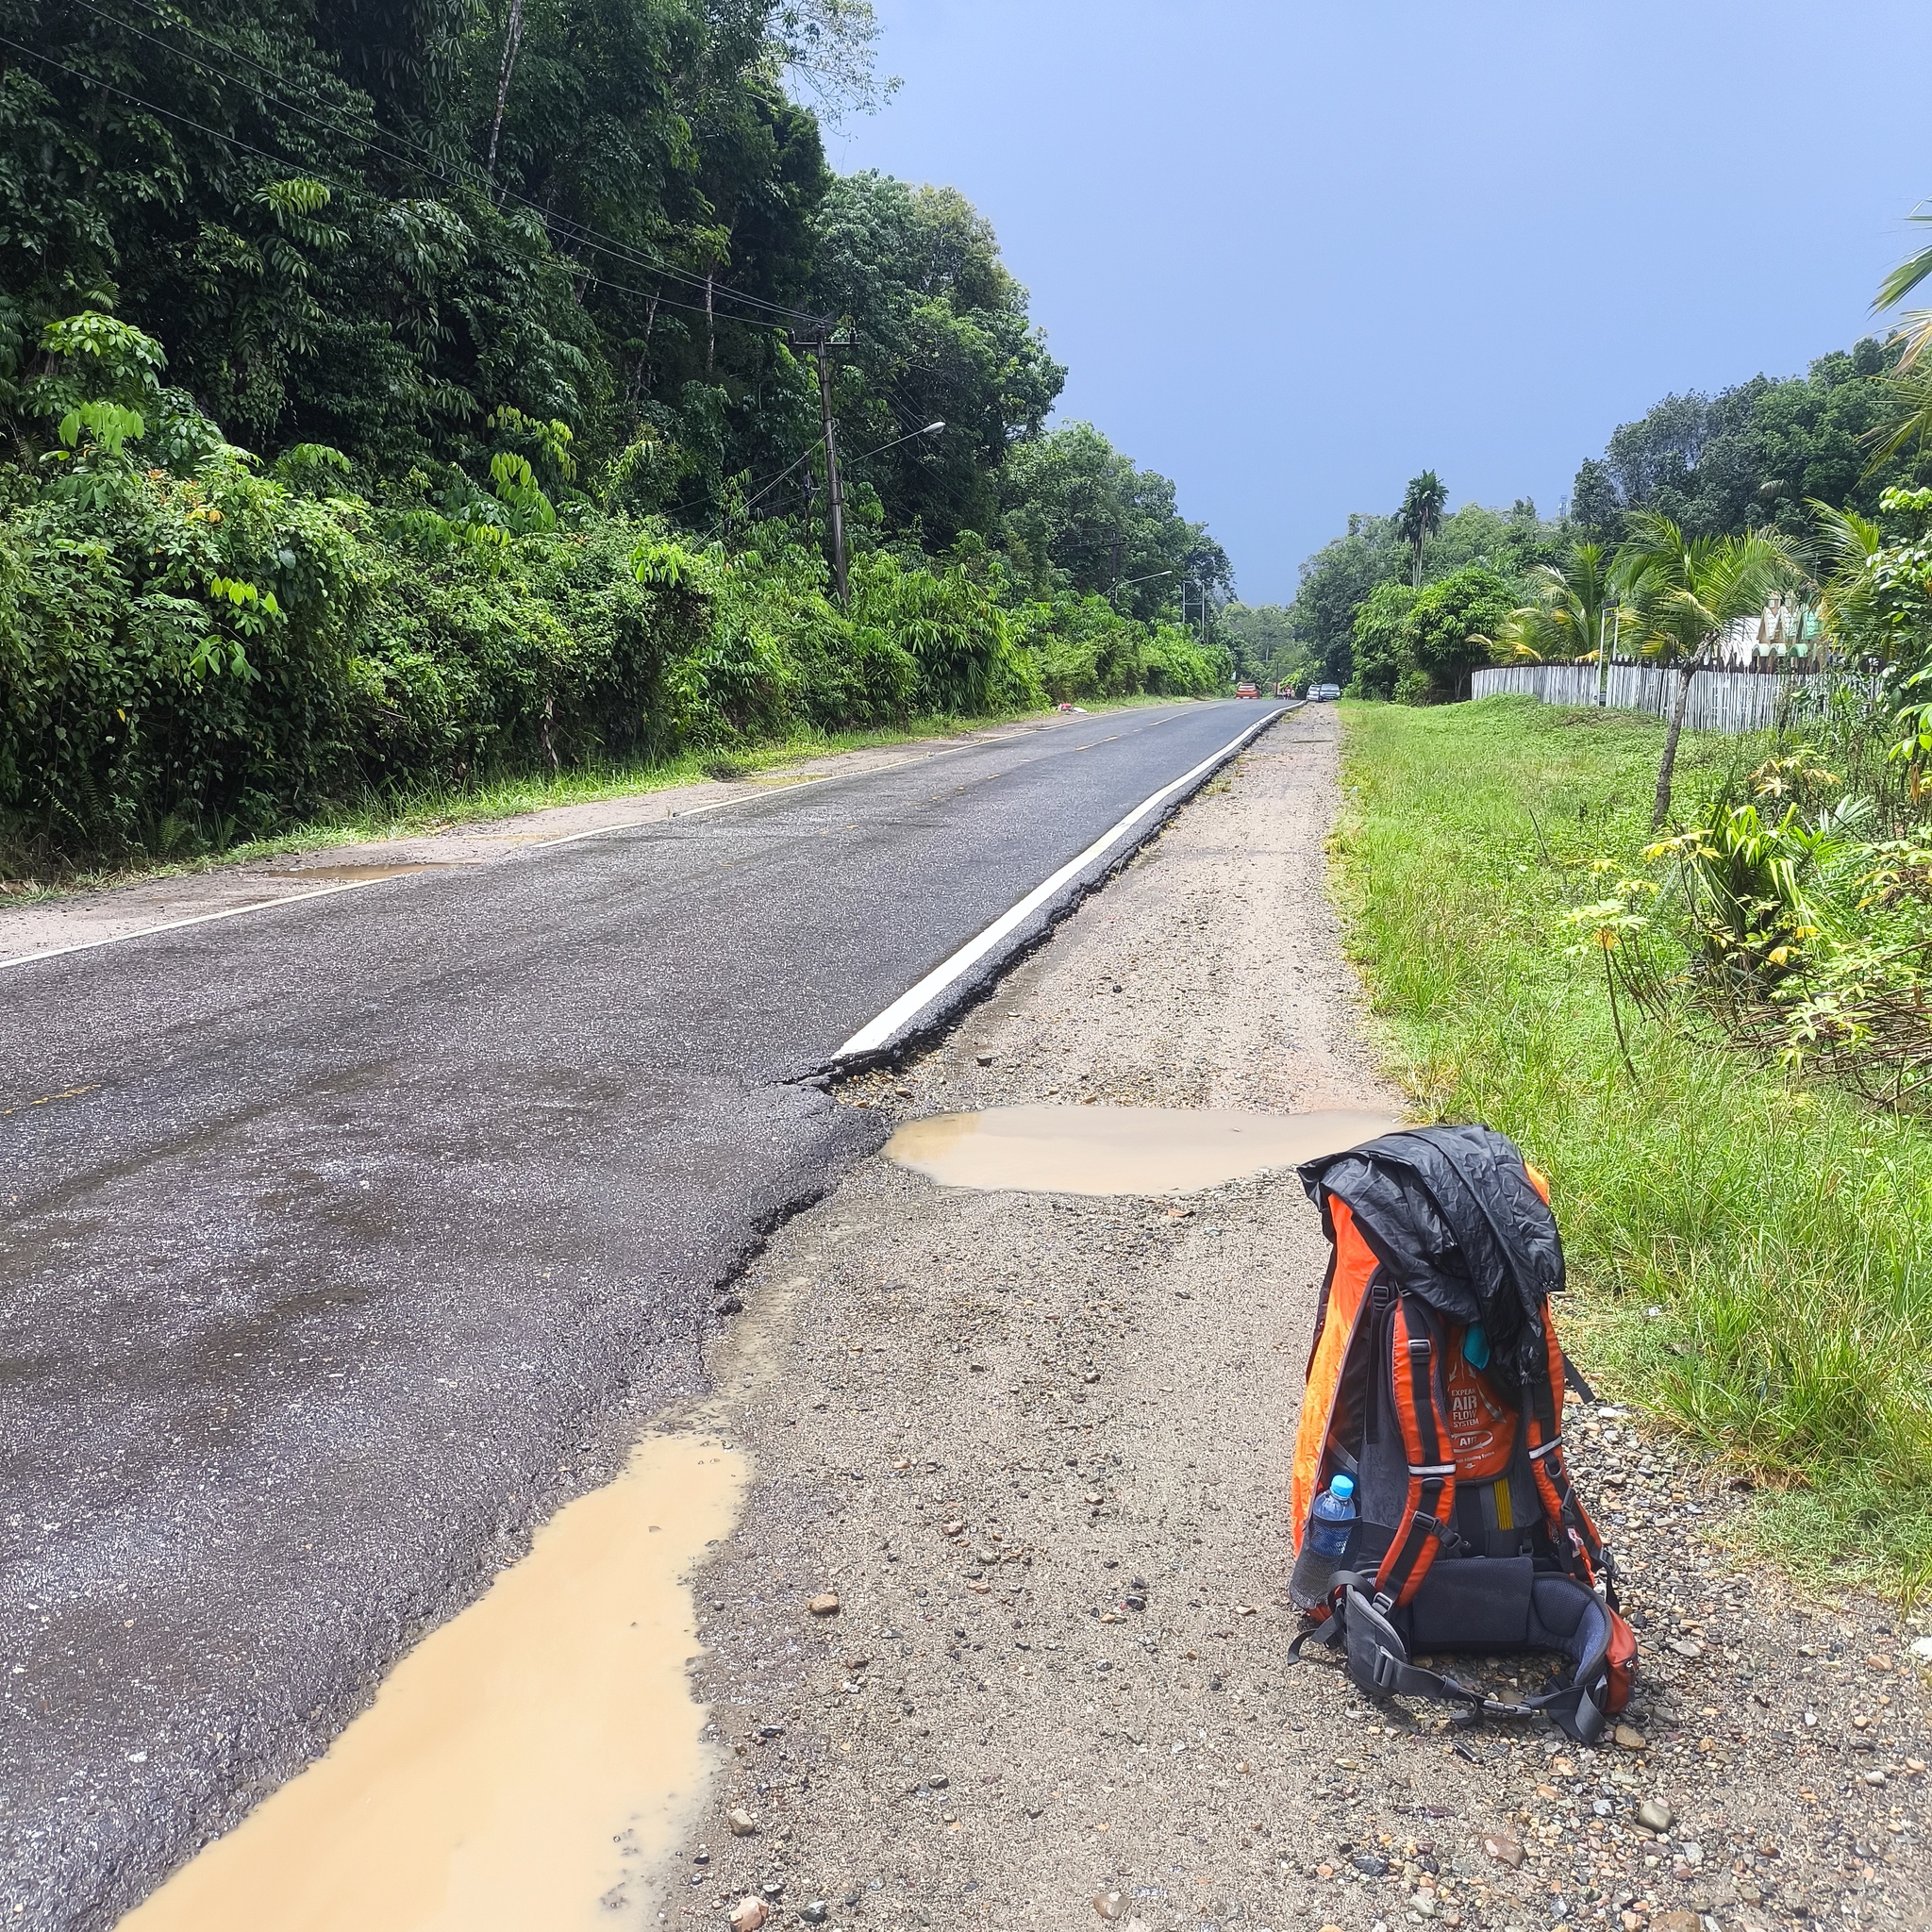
(1686, 673)
(514, 34)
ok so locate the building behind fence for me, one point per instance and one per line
(1720, 700)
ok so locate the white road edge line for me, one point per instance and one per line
(141, 932)
(873, 1036)
(807, 778)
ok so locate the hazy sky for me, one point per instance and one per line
(1292, 253)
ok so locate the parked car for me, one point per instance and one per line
(1247, 690)
(1324, 693)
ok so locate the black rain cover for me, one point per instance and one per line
(1452, 1217)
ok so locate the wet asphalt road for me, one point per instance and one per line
(371, 1226)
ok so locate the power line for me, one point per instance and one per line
(283, 161)
(578, 234)
(153, 106)
(590, 237)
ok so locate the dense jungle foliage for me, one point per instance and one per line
(420, 391)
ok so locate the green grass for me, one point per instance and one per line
(1752, 1261)
(409, 812)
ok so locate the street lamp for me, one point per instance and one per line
(930, 429)
(1129, 583)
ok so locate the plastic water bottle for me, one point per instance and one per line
(1333, 1516)
(1325, 1543)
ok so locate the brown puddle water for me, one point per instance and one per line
(1122, 1150)
(524, 1767)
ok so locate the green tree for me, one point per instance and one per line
(1417, 520)
(1759, 453)
(1448, 627)
(1381, 655)
(1685, 593)
(1080, 515)
(942, 335)
(1265, 644)
(1334, 585)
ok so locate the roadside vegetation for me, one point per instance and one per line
(1750, 1227)
(414, 810)
(403, 402)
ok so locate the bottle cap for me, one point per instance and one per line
(1343, 1486)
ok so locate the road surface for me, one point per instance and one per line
(346, 1241)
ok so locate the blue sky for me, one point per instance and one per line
(1293, 254)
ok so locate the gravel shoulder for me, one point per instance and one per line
(1038, 1447)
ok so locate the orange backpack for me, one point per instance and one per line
(1437, 1383)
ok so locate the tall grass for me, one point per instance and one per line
(1753, 1260)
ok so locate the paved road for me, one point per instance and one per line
(367, 1227)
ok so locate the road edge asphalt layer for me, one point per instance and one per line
(958, 988)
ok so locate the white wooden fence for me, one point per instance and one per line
(1720, 700)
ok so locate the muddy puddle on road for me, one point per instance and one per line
(1122, 1150)
(523, 1768)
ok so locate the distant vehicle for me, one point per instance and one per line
(1247, 690)
(1324, 693)
(1284, 690)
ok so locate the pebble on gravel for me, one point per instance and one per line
(1654, 1815)
(1629, 1739)
(1110, 1905)
(742, 1822)
(825, 1605)
(1503, 1848)
(750, 1914)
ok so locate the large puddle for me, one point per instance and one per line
(1122, 1150)
(524, 1766)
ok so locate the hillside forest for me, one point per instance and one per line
(399, 394)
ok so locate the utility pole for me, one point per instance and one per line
(820, 344)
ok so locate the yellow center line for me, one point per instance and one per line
(68, 1093)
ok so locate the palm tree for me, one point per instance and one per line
(1849, 544)
(1419, 517)
(1910, 386)
(1915, 326)
(1685, 593)
(1568, 615)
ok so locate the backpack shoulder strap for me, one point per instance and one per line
(1422, 1413)
(1578, 1544)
